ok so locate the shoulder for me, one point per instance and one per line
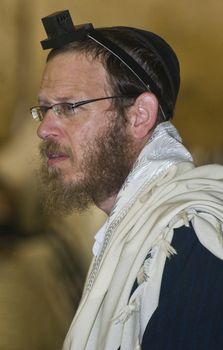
(189, 314)
(192, 264)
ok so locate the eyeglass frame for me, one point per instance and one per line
(38, 111)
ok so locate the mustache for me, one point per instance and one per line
(48, 147)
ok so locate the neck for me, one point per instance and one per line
(107, 204)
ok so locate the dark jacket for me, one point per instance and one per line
(190, 311)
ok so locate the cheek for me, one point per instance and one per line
(80, 134)
(79, 137)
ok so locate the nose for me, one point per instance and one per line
(49, 128)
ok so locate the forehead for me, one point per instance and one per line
(73, 73)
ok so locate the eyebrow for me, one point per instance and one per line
(58, 99)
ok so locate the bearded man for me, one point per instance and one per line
(105, 104)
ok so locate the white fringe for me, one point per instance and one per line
(126, 312)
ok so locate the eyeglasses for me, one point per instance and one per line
(65, 109)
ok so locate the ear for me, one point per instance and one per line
(142, 115)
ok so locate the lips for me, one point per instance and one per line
(55, 157)
(54, 153)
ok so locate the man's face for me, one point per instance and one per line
(86, 157)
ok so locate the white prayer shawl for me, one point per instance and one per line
(164, 191)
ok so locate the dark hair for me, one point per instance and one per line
(154, 55)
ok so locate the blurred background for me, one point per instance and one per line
(42, 265)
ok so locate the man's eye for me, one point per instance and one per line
(68, 109)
